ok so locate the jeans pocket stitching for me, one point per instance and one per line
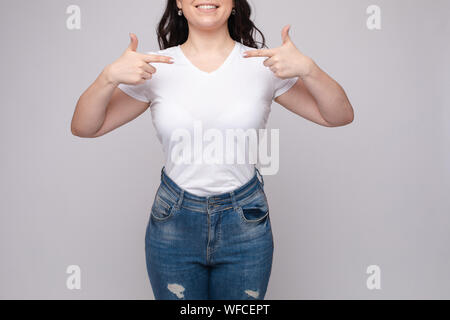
(163, 202)
(171, 213)
(241, 214)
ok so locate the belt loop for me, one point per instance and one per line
(162, 170)
(233, 200)
(262, 179)
(180, 200)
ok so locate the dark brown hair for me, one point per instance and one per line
(173, 29)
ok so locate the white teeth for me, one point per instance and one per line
(207, 7)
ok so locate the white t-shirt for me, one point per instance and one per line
(199, 106)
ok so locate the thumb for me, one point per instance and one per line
(133, 42)
(285, 34)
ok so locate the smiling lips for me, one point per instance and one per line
(207, 7)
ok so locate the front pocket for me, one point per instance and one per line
(162, 210)
(256, 210)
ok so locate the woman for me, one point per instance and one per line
(209, 234)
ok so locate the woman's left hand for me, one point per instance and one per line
(285, 61)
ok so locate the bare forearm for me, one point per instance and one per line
(329, 95)
(91, 107)
(287, 61)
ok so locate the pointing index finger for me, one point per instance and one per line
(157, 58)
(259, 53)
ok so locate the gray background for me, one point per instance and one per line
(373, 192)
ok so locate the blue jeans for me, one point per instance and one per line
(211, 247)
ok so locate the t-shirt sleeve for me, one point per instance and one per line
(139, 91)
(282, 85)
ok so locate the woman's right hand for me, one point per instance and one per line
(133, 67)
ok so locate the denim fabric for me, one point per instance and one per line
(209, 247)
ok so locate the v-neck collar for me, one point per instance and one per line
(224, 64)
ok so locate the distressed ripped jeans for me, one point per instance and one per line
(214, 247)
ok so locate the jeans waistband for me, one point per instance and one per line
(220, 201)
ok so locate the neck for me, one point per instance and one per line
(208, 41)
